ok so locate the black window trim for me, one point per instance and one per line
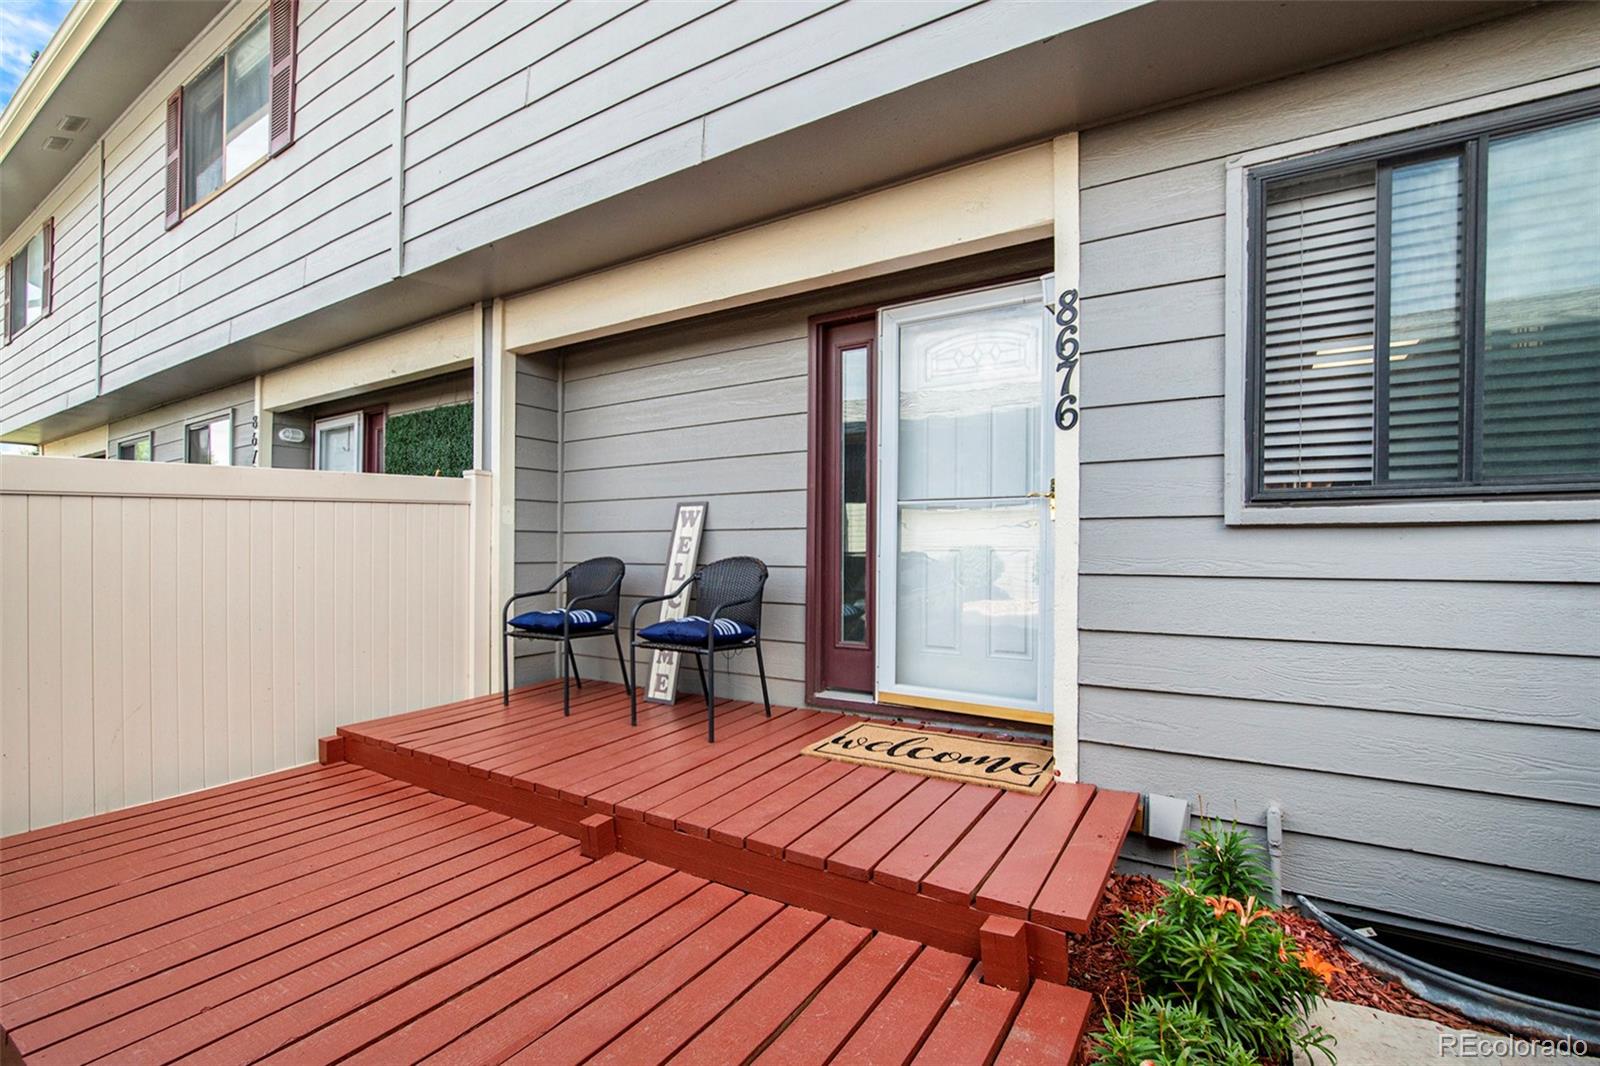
(134, 438)
(1469, 136)
(192, 424)
(48, 254)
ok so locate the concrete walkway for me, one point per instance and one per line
(1370, 1037)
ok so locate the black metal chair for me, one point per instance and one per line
(594, 592)
(728, 595)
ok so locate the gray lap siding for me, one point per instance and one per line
(1421, 699)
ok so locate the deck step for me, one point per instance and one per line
(922, 858)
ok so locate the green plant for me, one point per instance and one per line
(1166, 1033)
(436, 441)
(1233, 964)
(1224, 862)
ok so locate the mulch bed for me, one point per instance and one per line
(1101, 968)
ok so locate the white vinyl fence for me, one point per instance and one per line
(165, 627)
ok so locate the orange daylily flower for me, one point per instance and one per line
(1248, 911)
(1312, 959)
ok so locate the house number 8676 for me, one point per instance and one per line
(1067, 357)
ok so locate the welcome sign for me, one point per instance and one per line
(970, 760)
(683, 553)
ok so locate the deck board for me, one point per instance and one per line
(908, 1012)
(827, 1021)
(763, 904)
(872, 845)
(1021, 871)
(972, 1028)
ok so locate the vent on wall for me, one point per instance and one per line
(57, 144)
(72, 124)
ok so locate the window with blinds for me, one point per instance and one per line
(1426, 315)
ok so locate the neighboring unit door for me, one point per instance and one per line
(964, 504)
(338, 443)
(846, 459)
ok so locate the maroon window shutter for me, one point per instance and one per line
(283, 21)
(49, 266)
(175, 158)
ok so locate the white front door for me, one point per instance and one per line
(964, 510)
(338, 443)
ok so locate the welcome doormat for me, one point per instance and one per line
(970, 760)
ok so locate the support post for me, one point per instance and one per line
(1003, 948)
(263, 425)
(599, 837)
(483, 609)
(330, 750)
(1065, 428)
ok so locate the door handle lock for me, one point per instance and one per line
(1051, 496)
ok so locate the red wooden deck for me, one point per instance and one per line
(761, 906)
(919, 857)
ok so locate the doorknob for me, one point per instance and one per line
(1051, 496)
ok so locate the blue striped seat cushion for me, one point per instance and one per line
(692, 630)
(550, 621)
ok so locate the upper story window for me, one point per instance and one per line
(234, 113)
(1426, 312)
(225, 116)
(29, 281)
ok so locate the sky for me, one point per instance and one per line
(25, 28)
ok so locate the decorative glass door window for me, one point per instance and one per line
(844, 663)
(339, 442)
(963, 513)
(854, 459)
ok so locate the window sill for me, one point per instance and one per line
(224, 187)
(1414, 512)
(11, 337)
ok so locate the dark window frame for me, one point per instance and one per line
(206, 422)
(148, 436)
(47, 235)
(220, 61)
(1470, 137)
(283, 31)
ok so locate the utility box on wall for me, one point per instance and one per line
(1166, 818)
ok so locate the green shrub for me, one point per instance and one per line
(1167, 1033)
(1228, 960)
(437, 441)
(1224, 862)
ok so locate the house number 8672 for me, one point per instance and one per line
(1067, 357)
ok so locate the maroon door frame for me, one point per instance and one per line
(822, 575)
(372, 422)
(831, 664)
